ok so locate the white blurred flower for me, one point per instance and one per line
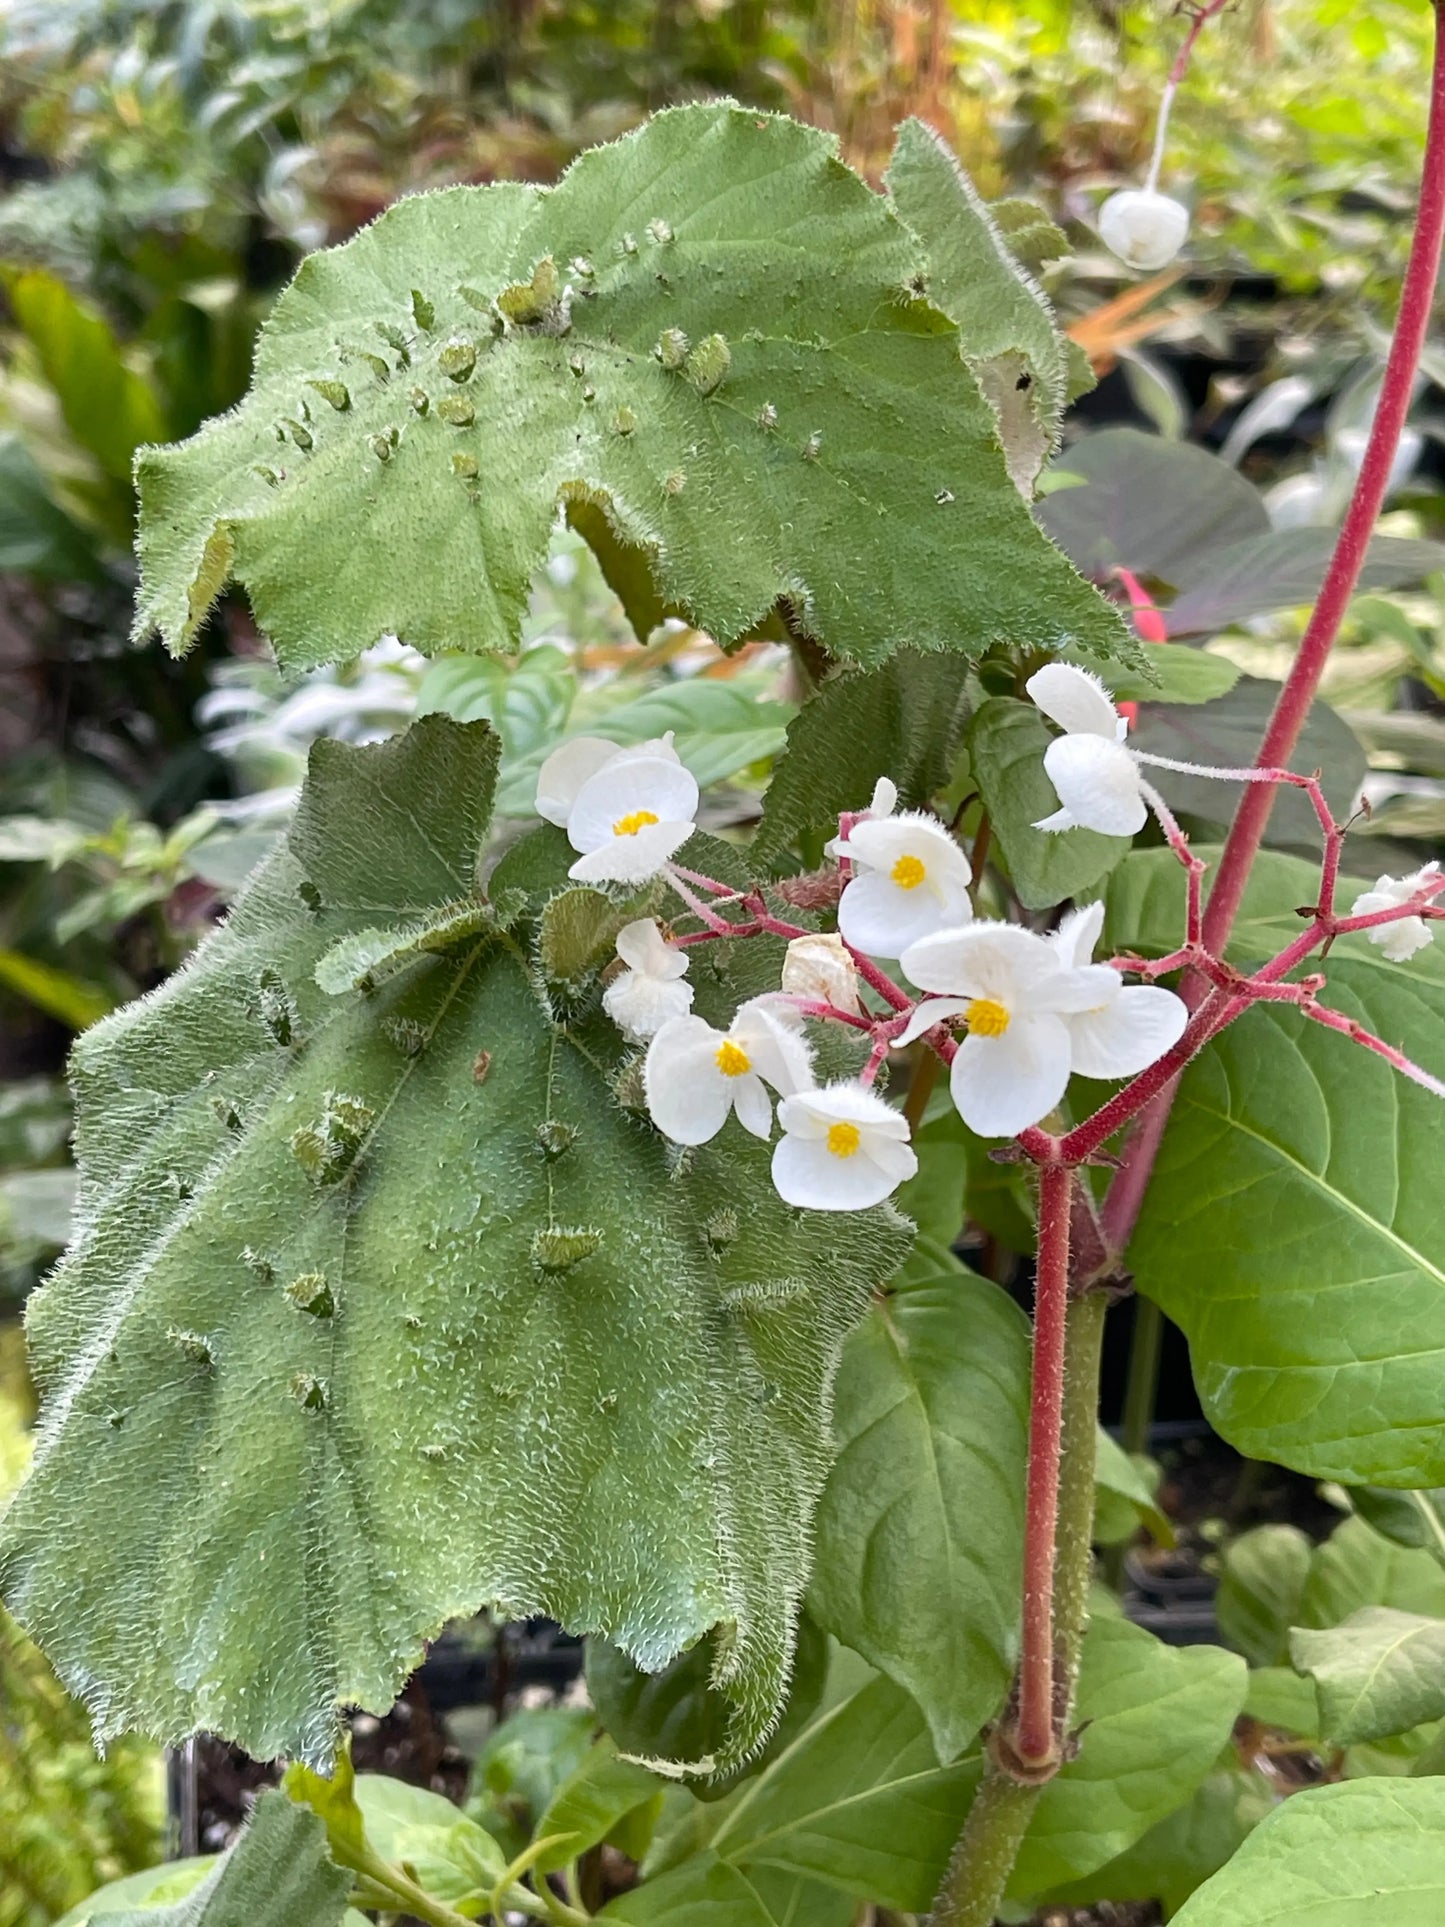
(1401, 940)
(910, 879)
(1095, 776)
(842, 1149)
(695, 1075)
(884, 800)
(626, 810)
(650, 990)
(819, 966)
(1143, 227)
(1034, 1013)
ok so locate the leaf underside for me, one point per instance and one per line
(382, 1308)
(399, 462)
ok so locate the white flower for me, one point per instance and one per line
(695, 1075)
(842, 1149)
(1143, 227)
(1096, 778)
(1401, 940)
(818, 966)
(884, 800)
(1034, 1013)
(626, 810)
(911, 879)
(650, 990)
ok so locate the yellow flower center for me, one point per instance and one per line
(985, 1018)
(732, 1059)
(908, 872)
(843, 1139)
(630, 825)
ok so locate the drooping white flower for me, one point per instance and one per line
(1034, 1013)
(1094, 775)
(651, 990)
(1143, 227)
(627, 810)
(694, 1075)
(1401, 940)
(818, 966)
(843, 1148)
(910, 878)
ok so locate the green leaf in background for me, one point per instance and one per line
(108, 408)
(1365, 1854)
(1415, 1519)
(1260, 1589)
(903, 721)
(1132, 1484)
(172, 1880)
(1006, 744)
(703, 1891)
(920, 1527)
(382, 1308)
(37, 537)
(742, 381)
(1278, 1697)
(1282, 569)
(59, 993)
(276, 1875)
(1225, 733)
(1180, 675)
(1355, 1567)
(1377, 1673)
(1293, 1229)
(587, 1806)
(1004, 320)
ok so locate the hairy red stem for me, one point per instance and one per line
(1036, 1743)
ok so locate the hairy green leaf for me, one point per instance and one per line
(1378, 1673)
(1293, 1227)
(1006, 744)
(920, 1528)
(705, 330)
(1004, 319)
(383, 1308)
(1364, 1854)
(276, 1875)
(903, 721)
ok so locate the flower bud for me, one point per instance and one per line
(819, 966)
(1142, 227)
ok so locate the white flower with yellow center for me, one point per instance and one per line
(1095, 776)
(842, 1149)
(626, 810)
(910, 879)
(651, 990)
(694, 1076)
(1401, 940)
(1035, 1010)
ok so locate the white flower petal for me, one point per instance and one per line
(999, 960)
(642, 946)
(640, 1003)
(625, 788)
(1128, 1034)
(1143, 227)
(813, 1111)
(806, 1173)
(565, 771)
(1097, 783)
(1002, 1085)
(810, 1170)
(885, 797)
(753, 1106)
(688, 1097)
(1075, 700)
(1401, 940)
(932, 1010)
(882, 920)
(880, 843)
(632, 859)
(1076, 936)
(1092, 987)
(775, 1044)
(1060, 820)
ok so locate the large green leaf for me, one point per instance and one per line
(902, 721)
(706, 328)
(1258, 1599)
(1282, 569)
(920, 1527)
(276, 1875)
(1006, 744)
(1004, 320)
(1378, 1673)
(382, 1308)
(704, 1892)
(1293, 1226)
(1365, 1854)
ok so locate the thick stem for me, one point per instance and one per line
(984, 1855)
(1036, 1742)
(1396, 391)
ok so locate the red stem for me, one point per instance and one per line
(1396, 390)
(1036, 1743)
